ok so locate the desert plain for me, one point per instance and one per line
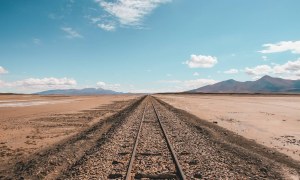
(30, 123)
(271, 120)
(41, 130)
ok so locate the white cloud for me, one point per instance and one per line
(101, 84)
(259, 70)
(47, 83)
(3, 70)
(288, 69)
(231, 71)
(130, 12)
(278, 69)
(43, 83)
(292, 65)
(264, 58)
(107, 27)
(192, 84)
(108, 86)
(95, 19)
(71, 33)
(291, 77)
(195, 74)
(293, 46)
(201, 61)
(297, 73)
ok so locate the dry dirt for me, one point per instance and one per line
(273, 121)
(30, 123)
(102, 149)
(204, 150)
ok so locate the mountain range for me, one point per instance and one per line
(85, 91)
(266, 84)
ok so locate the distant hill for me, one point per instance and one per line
(85, 91)
(10, 93)
(266, 84)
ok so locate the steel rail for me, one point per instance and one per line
(178, 167)
(128, 173)
(175, 160)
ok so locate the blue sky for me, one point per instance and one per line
(145, 45)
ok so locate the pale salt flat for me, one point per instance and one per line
(24, 103)
(273, 121)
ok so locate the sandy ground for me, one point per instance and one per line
(273, 121)
(29, 123)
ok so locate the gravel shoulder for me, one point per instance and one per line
(270, 120)
(110, 157)
(219, 143)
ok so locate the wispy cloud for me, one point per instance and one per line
(264, 58)
(71, 33)
(130, 12)
(109, 86)
(3, 70)
(293, 46)
(201, 61)
(231, 71)
(259, 70)
(107, 27)
(41, 83)
(290, 68)
(94, 20)
(196, 83)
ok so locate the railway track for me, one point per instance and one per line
(142, 143)
(137, 149)
(153, 148)
(145, 144)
